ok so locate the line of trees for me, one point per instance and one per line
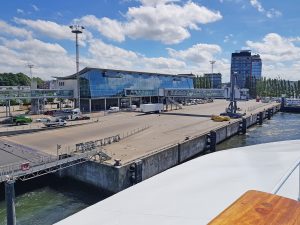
(268, 87)
(18, 79)
(202, 82)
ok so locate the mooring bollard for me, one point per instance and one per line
(213, 141)
(260, 118)
(269, 114)
(10, 202)
(244, 126)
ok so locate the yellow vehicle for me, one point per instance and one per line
(220, 118)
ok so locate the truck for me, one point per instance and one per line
(21, 119)
(58, 122)
(75, 114)
(152, 108)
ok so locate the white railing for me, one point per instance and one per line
(286, 177)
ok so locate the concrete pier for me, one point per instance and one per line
(170, 139)
(115, 179)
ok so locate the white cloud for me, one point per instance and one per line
(52, 29)
(20, 11)
(109, 56)
(48, 28)
(165, 64)
(14, 31)
(279, 55)
(35, 8)
(49, 59)
(105, 55)
(198, 53)
(275, 48)
(269, 13)
(107, 27)
(168, 23)
(198, 56)
(158, 20)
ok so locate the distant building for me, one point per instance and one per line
(44, 85)
(215, 79)
(245, 66)
(256, 66)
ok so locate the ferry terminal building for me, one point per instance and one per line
(102, 88)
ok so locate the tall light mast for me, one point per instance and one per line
(77, 29)
(212, 62)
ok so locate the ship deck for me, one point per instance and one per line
(197, 191)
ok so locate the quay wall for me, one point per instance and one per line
(117, 178)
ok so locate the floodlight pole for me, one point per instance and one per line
(232, 105)
(76, 29)
(30, 66)
(212, 62)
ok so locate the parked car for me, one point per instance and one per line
(21, 119)
(56, 123)
(43, 120)
(49, 112)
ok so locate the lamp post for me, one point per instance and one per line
(232, 106)
(30, 66)
(212, 62)
(77, 29)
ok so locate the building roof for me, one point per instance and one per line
(86, 69)
(198, 190)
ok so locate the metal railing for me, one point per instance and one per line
(286, 177)
(35, 93)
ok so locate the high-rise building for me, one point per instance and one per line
(215, 79)
(256, 66)
(245, 66)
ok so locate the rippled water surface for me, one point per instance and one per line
(283, 126)
(49, 200)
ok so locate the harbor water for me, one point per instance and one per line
(282, 127)
(46, 200)
(49, 199)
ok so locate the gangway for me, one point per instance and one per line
(172, 101)
(28, 170)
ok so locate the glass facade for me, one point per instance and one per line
(244, 65)
(241, 66)
(256, 66)
(215, 79)
(97, 83)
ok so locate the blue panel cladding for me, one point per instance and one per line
(97, 83)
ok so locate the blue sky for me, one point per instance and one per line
(169, 36)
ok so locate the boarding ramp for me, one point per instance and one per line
(35, 94)
(176, 92)
(172, 101)
(194, 93)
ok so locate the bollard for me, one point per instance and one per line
(136, 172)
(213, 141)
(10, 202)
(244, 126)
(269, 114)
(260, 118)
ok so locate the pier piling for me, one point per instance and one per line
(213, 141)
(260, 118)
(10, 202)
